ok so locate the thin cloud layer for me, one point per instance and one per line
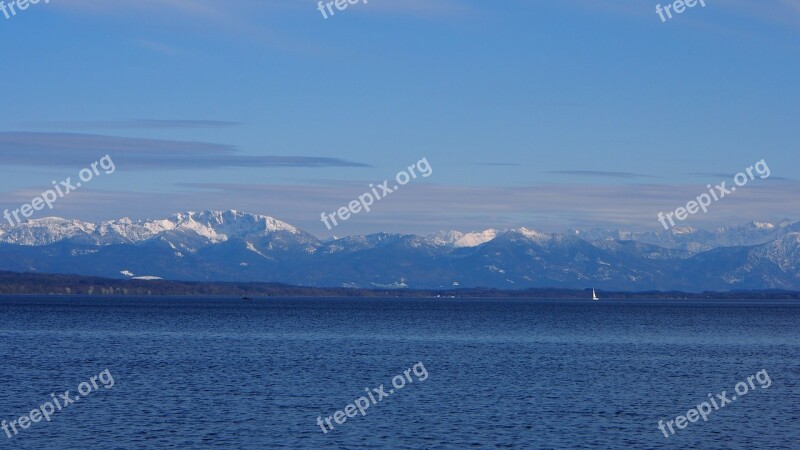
(223, 11)
(134, 124)
(58, 149)
(783, 11)
(727, 176)
(425, 208)
(600, 174)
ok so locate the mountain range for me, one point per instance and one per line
(236, 246)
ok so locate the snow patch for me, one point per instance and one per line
(443, 238)
(495, 269)
(253, 249)
(210, 226)
(535, 236)
(475, 239)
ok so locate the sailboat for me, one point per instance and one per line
(594, 295)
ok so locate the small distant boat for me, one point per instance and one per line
(247, 298)
(594, 295)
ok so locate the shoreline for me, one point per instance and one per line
(16, 284)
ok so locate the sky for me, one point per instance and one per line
(545, 114)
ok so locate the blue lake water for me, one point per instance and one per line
(225, 373)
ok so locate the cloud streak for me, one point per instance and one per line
(59, 149)
(422, 8)
(600, 174)
(222, 11)
(728, 176)
(424, 207)
(145, 124)
(777, 11)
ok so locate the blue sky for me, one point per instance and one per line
(549, 115)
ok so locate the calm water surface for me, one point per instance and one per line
(224, 373)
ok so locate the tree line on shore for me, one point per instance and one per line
(12, 283)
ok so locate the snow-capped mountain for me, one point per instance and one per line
(44, 231)
(206, 226)
(236, 246)
(691, 239)
(445, 237)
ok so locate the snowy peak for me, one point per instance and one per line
(209, 226)
(234, 246)
(462, 240)
(44, 231)
(475, 239)
(791, 240)
(680, 231)
(443, 238)
(695, 240)
(761, 225)
(458, 239)
(533, 235)
(127, 231)
(219, 226)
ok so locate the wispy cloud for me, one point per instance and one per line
(224, 11)
(425, 207)
(727, 176)
(421, 8)
(132, 124)
(57, 149)
(196, 8)
(600, 173)
(783, 11)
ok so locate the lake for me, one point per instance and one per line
(475, 373)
